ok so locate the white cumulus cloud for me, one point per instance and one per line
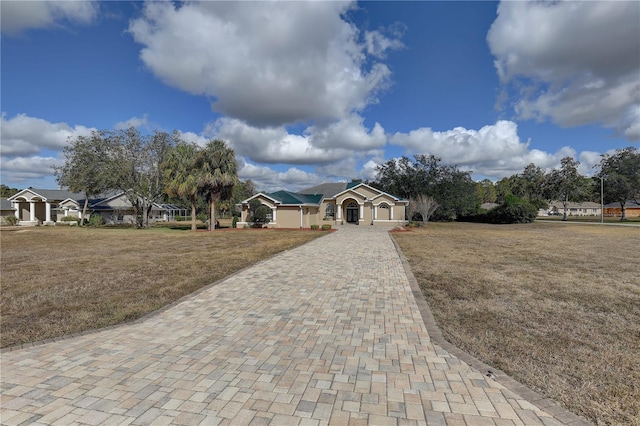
(30, 146)
(317, 145)
(267, 179)
(18, 16)
(137, 122)
(574, 62)
(23, 135)
(20, 169)
(268, 64)
(494, 150)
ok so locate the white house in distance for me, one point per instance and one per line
(46, 206)
(587, 208)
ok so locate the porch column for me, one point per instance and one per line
(300, 216)
(32, 211)
(16, 205)
(361, 211)
(273, 213)
(375, 212)
(47, 206)
(391, 212)
(339, 211)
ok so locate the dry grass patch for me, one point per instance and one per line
(555, 306)
(58, 281)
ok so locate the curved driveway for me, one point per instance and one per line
(327, 333)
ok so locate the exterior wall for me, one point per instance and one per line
(585, 209)
(23, 211)
(367, 192)
(119, 218)
(40, 212)
(313, 216)
(383, 212)
(349, 195)
(71, 213)
(367, 214)
(288, 217)
(617, 212)
(323, 218)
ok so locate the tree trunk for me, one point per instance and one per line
(84, 209)
(194, 227)
(147, 212)
(212, 213)
(624, 212)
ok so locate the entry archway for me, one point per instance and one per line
(352, 212)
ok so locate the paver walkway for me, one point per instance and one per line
(328, 333)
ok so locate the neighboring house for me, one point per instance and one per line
(631, 209)
(329, 203)
(587, 208)
(34, 206)
(46, 206)
(6, 209)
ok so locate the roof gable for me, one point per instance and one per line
(355, 187)
(262, 194)
(47, 195)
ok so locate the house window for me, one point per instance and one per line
(383, 206)
(329, 211)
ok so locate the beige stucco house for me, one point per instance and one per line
(337, 203)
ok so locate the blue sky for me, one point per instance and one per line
(309, 92)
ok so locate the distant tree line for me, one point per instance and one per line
(6, 192)
(153, 168)
(444, 192)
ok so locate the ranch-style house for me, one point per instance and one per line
(46, 206)
(338, 203)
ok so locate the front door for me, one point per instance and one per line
(352, 213)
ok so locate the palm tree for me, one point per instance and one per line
(217, 174)
(181, 175)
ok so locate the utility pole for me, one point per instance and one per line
(601, 199)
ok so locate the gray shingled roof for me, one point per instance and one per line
(5, 204)
(629, 203)
(57, 194)
(327, 190)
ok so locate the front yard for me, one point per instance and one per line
(62, 280)
(555, 306)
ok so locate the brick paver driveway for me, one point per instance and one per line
(328, 333)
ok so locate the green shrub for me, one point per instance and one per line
(68, 219)
(234, 222)
(11, 220)
(315, 227)
(513, 213)
(326, 227)
(96, 219)
(512, 210)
